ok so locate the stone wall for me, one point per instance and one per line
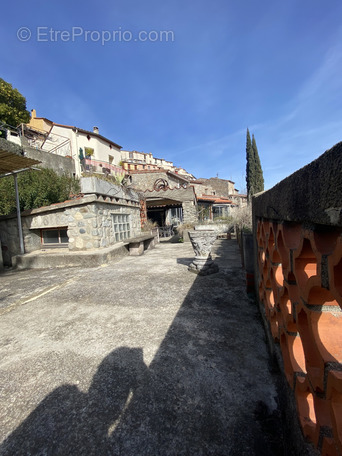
(90, 226)
(222, 187)
(61, 165)
(88, 220)
(189, 212)
(202, 189)
(146, 181)
(298, 233)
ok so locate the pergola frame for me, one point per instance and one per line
(13, 162)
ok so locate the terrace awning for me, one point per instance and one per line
(12, 162)
(12, 158)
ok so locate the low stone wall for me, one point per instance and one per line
(297, 228)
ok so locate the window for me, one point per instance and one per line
(54, 237)
(89, 151)
(121, 226)
(176, 215)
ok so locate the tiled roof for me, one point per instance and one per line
(90, 133)
(214, 199)
(87, 132)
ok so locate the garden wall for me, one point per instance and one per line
(298, 263)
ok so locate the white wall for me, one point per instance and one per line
(102, 149)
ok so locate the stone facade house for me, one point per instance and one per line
(153, 179)
(168, 197)
(222, 187)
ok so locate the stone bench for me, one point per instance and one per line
(137, 245)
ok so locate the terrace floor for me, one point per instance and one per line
(137, 357)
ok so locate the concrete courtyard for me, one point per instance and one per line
(137, 357)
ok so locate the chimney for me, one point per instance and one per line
(96, 130)
(33, 114)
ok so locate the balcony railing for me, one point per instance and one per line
(97, 166)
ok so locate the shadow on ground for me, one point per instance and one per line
(210, 389)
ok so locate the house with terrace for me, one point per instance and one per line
(87, 150)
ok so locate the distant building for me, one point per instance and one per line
(202, 188)
(222, 187)
(211, 207)
(134, 160)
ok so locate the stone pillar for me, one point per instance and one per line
(143, 213)
(189, 212)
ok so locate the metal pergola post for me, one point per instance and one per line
(20, 228)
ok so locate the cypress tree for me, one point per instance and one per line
(259, 177)
(250, 167)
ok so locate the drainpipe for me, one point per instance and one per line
(77, 160)
(20, 229)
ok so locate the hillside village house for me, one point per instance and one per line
(89, 149)
(172, 199)
(76, 151)
(223, 188)
(168, 197)
(137, 161)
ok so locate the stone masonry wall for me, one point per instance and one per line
(32, 222)
(222, 187)
(145, 181)
(189, 212)
(91, 226)
(88, 221)
(298, 232)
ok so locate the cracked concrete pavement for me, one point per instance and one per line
(137, 357)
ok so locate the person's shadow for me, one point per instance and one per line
(70, 422)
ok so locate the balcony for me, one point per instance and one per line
(97, 166)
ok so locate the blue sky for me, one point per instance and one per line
(273, 66)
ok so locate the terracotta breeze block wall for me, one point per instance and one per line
(299, 265)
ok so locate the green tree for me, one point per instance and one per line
(250, 166)
(12, 106)
(259, 176)
(36, 189)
